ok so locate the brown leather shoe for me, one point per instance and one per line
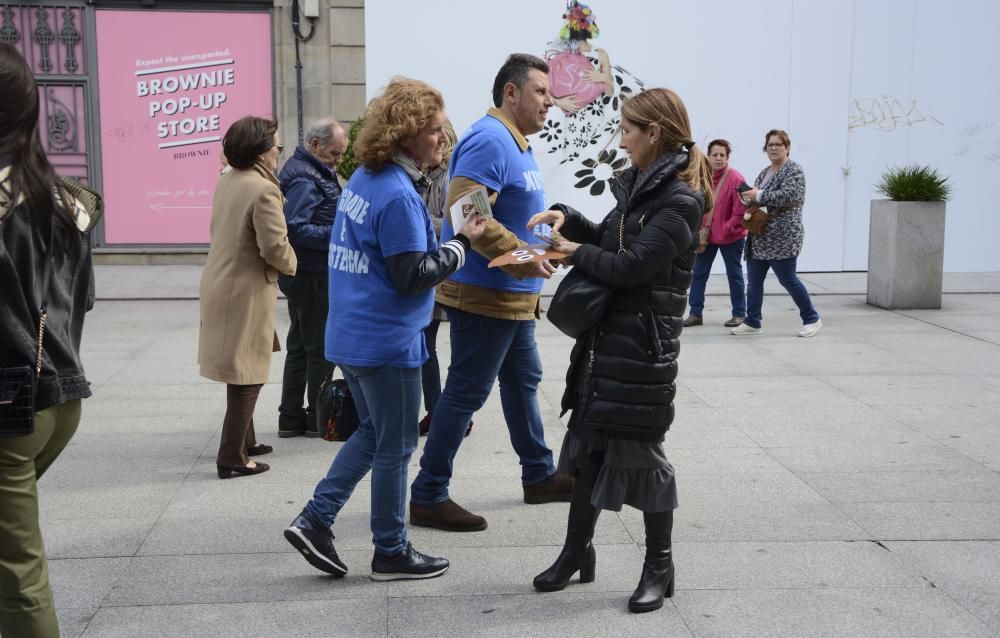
(735, 321)
(446, 515)
(693, 320)
(556, 489)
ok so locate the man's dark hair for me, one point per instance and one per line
(515, 70)
(247, 139)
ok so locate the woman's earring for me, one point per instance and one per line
(652, 141)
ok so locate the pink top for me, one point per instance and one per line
(728, 215)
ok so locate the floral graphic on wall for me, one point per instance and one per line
(588, 90)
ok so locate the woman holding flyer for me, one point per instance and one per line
(620, 384)
(384, 264)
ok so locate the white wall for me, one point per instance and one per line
(859, 85)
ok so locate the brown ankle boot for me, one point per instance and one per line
(556, 489)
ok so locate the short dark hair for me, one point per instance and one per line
(781, 135)
(723, 143)
(247, 139)
(515, 70)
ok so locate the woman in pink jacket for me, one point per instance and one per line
(725, 234)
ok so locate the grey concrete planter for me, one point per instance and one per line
(905, 254)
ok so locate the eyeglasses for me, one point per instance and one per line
(280, 147)
(775, 145)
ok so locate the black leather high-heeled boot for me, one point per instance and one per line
(657, 580)
(578, 552)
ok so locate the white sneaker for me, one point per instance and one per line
(810, 329)
(744, 329)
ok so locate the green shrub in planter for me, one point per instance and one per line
(914, 184)
(348, 163)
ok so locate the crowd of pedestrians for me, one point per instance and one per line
(370, 269)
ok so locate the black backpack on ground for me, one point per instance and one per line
(335, 411)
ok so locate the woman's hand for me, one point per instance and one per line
(569, 103)
(567, 247)
(750, 195)
(597, 77)
(553, 217)
(474, 228)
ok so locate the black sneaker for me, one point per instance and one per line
(407, 564)
(315, 543)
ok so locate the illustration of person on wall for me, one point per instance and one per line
(588, 90)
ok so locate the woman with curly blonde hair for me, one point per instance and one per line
(384, 263)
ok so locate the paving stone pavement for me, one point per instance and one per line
(845, 485)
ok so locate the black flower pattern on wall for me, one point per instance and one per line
(551, 132)
(598, 172)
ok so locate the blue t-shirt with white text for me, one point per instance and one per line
(489, 154)
(370, 323)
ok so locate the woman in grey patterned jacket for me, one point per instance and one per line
(780, 189)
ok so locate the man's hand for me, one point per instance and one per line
(543, 269)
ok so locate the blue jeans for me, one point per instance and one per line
(482, 350)
(388, 401)
(731, 255)
(785, 271)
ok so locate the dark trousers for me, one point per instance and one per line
(430, 373)
(237, 428)
(731, 254)
(784, 269)
(305, 362)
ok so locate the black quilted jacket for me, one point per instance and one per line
(621, 376)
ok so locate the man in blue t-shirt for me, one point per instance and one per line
(492, 311)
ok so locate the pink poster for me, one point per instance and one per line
(171, 83)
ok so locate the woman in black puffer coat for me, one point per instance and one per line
(620, 384)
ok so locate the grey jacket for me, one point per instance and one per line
(783, 197)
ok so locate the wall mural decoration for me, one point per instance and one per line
(582, 132)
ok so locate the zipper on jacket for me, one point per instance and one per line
(589, 375)
(654, 335)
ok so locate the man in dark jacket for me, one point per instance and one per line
(309, 183)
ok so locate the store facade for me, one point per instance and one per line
(136, 96)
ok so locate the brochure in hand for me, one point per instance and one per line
(525, 254)
(476, 202)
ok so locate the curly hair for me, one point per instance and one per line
(449, 139)
(400, 112)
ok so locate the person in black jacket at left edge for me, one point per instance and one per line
(620, 384)
(35, 205)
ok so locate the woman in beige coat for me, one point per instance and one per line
(249, 247)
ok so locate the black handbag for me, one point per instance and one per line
(18, 383)
(581, 300)
(335, 410)
(579, 303)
